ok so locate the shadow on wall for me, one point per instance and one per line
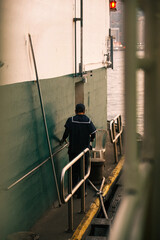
(61, 158)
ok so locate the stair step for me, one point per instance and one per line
(96, 238)
(100, 222)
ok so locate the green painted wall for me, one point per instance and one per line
(23, 143)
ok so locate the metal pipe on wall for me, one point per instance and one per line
(111, 48)
(75, 42)
(44, 118)
(81, 38)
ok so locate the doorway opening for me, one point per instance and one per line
(79, 92)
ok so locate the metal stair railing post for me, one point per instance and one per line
(116, 136)
(82, 167)
(119, 126)
(70, 202)
(81, 183)
(115, 142)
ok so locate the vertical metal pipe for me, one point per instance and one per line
(111, 50)
(75, 41)
(83, 185)
(81, 14)
(130, 95)
(44, 118)
(111, 47)
(70, 202)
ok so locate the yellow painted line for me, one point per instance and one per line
(82, 227)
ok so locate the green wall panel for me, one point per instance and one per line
(23, 143)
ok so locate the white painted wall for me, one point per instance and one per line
(51, 26)
(96, 24)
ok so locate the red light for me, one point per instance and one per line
(112, 5)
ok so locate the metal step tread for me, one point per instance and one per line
(96, 238)
(100, 222)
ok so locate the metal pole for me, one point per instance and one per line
(83, 185)
(70, 203)
(111, 47)
(150, 77)
(75, 42)
(112, 50)
(81, 38)
(44, 118)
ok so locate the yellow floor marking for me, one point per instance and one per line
(96, 204)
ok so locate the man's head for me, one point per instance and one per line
(80, 108)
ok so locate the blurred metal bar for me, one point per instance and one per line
(130, 220)
(139, 211)
(151, 145)
(131, 172)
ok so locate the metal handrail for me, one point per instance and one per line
(83, 176)
(34, 169)
(112, 122)
(116, 130)
(64, 198)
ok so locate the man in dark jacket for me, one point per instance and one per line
(81, 132)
